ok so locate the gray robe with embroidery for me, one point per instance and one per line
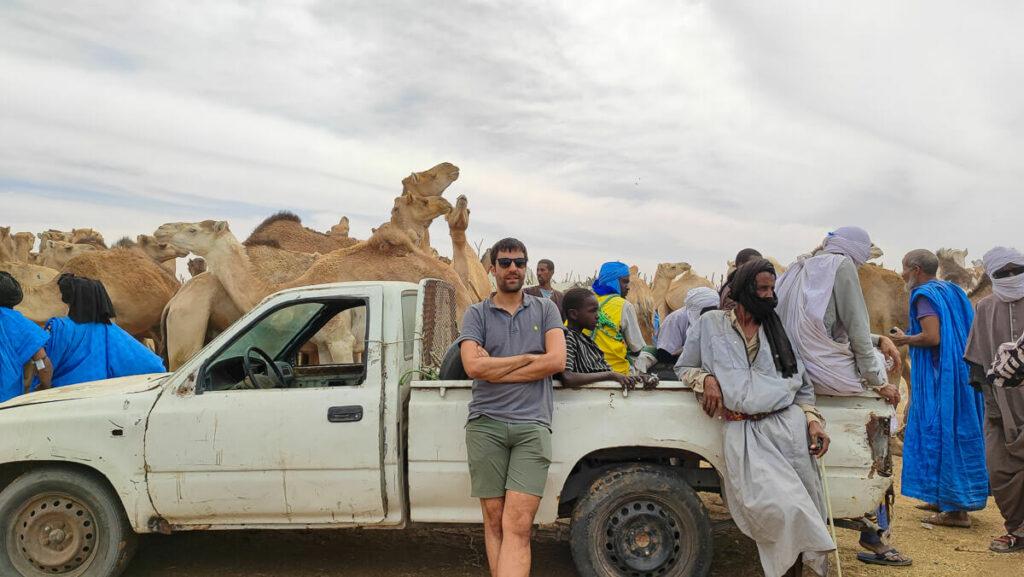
(772, 485)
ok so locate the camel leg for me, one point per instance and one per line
(186, 330)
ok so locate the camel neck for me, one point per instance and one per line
(228, 261)
(458, 236)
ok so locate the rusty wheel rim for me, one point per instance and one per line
(54, 534)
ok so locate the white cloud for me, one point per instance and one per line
(615, 130)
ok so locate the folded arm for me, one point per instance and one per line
(479, 365)
(548, 364)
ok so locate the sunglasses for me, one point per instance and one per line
(507, 262)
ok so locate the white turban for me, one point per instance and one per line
(1010, 289)
(850, 241)
(698, 299)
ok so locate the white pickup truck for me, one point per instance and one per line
(261, 430)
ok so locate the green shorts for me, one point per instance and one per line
(507, 457)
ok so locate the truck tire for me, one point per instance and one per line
(641, 521)
(62, 521)
(451, 365)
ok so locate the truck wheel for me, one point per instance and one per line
(641, 521)
(60, 521)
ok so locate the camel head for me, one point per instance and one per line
(671, 270)
(87, 236)
(6, 244)
(876, 252)
(53, 234)
(23, 243)
(419, 211)
(431, 182)
(954, 256)
(341, 229)
(56, 253)
(196, 266)
(159, 251)
(196, 237)
(458, 218)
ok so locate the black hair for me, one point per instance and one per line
(10, 290)
(746, 255)
(546, 262)
(507, 245)
(574, 298)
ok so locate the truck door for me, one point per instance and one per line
(254, 448)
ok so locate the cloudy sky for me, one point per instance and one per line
(643, 131)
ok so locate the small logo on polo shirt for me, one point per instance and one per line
(536, 329)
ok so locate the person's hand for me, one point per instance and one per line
(649, 381)
(712, 400)
(627, 382)
(891, 394)
(897, 337)
(819, 439)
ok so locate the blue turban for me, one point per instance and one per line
(608, 278)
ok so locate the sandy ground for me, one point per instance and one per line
(459, 552)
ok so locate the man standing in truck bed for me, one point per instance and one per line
(511, 344)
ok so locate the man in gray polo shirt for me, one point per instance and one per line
(511, 344)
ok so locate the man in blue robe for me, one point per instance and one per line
(84, 346)
(21, 342)
(944, 447)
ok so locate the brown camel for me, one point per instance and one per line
(464, 259)
(196, 266)
(666, 273)
(642, 297)
(165, 255)
(389, 254)
(137, 285)
(286, 230)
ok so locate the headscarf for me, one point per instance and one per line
(741, 258)
(10, 290)
(744, 292)
(607, 281)
(698, 299)
(1010, 289)
(87, 299)
(851, 241)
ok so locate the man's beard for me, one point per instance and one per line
(516, 287)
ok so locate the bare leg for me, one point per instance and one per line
(492, 509)
(516, 524)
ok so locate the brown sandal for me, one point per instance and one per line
(945, 520)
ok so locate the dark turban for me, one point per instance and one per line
(87, 299)
(10, 291)
(744, 292)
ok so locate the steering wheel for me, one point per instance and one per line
(272, 371)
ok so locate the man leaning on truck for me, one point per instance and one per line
(511, 344)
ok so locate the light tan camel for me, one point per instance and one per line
(28, 275)
(56, 253)
(23, 243)
(7, 248)
(464, 259)
(642, 297)
(666, 273)
(201, 309)
(681, 285)
(164, 254)
(76, 236)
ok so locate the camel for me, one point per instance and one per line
(56, 253)
(138, 287)
(340, 230)
(389, 254)
(680, 285)
(196, 266)
(285, 229)
(642, 297)
(28, 275)
(23, 243)
(666, 273)
(76, 236)
(7, 248)
(464, 259)
(165, 255)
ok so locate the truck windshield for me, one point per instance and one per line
(275, 331)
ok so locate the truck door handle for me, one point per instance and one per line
(349, 414)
